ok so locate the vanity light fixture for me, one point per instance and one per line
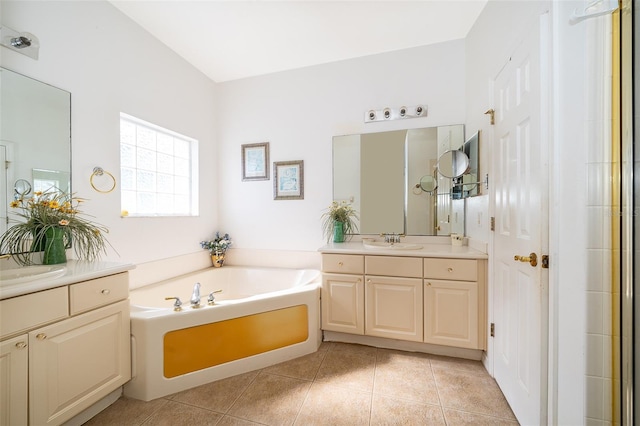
(388, 114)
(25, 43)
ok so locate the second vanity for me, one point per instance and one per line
(435, 295)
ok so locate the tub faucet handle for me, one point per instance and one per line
(177, 305)
(211, 299)
(195, 296)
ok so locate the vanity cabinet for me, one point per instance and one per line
(73, 356)
(343, 293)
(439, 301)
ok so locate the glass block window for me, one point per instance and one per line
(158, 170)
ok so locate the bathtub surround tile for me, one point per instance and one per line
(354, 385)
(126, 411)
(327, 404)
(176, 414)
(390, 411)
(462, 418)
(271, 399)
(471, 392)
(217, 396)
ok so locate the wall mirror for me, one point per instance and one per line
(381, 175)
(35, 139)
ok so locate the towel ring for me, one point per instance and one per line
(99, 171)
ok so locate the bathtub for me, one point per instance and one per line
(260, 317)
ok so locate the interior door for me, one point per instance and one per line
(520, 191)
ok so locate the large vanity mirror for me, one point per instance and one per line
(391, 179)
(35, 139)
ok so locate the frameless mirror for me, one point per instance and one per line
(453, 163)
(380, 175)
(35, 139)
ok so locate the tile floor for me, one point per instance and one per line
(341, 384)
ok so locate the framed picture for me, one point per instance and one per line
(288, 181)
(255, 161)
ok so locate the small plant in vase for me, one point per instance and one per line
(339, 220)
(217, 248)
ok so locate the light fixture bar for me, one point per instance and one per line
(388, 114)
(25, 43)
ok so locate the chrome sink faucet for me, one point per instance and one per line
(195, 296)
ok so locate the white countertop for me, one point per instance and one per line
(75, 271)
(427, 250)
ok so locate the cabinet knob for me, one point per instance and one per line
(41, 336)
(429, 284)
(340, 263)
(105, 291)
(21, 345)
(450, 269)
(369, 281)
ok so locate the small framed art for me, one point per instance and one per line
(288, 180)
(255, 161)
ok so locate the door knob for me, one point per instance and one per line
(532, 259)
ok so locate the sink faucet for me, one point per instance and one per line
(195, 296)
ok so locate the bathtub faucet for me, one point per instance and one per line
(195, 296)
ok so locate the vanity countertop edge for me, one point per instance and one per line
(428, 250)
(75, 271)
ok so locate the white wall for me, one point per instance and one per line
(300, 111)
(110, 65)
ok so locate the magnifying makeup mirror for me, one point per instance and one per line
(453, 163)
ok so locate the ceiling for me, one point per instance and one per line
(233, 39)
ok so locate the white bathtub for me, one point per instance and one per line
(247, 292)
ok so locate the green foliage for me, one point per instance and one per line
(339, 212)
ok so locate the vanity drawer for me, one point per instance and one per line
(410, 267)
(451, 269)
(99, 292)
(343, 263)
(23, 313)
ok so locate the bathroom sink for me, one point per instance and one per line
(392, 246)
(30, 273)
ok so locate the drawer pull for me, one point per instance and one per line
(429, 284)
(340, 263)
(105, 291)
(359, 280)
(21, 345)
(41, 336)
(369, 281)
(450, 269)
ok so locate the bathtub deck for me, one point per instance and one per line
(339, 384)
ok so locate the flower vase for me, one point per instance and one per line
(338, 232)
(218, 259)
(54, 250)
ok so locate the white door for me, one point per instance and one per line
(520, 197)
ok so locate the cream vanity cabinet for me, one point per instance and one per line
(69, 346)
(454, 302)
(431, 300)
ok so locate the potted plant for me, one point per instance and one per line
(339, 220)
(51, 222)
(217, 248)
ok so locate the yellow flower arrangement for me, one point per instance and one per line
(48, 211)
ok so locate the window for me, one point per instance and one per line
(158, 170)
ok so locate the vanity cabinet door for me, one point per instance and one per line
(14, 365)
(343, 303)
(451, 313)
(76, 362)
(393, 308)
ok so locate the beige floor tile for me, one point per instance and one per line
(178, 414)
(406, 377)
(271, 399)
(461, 418)
(471, 393)
(304, 368)
(219, 395)
(353, 349)
(126, 411)
(458, 364)
(348, 369)
(329, 405)
(390, 411)
(389, 355)
(234, 421)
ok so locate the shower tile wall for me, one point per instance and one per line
(598, 352)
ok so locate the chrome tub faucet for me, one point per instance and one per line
(195, 296)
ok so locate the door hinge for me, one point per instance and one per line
(492, 223)
(493, 330)
(545, 261)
